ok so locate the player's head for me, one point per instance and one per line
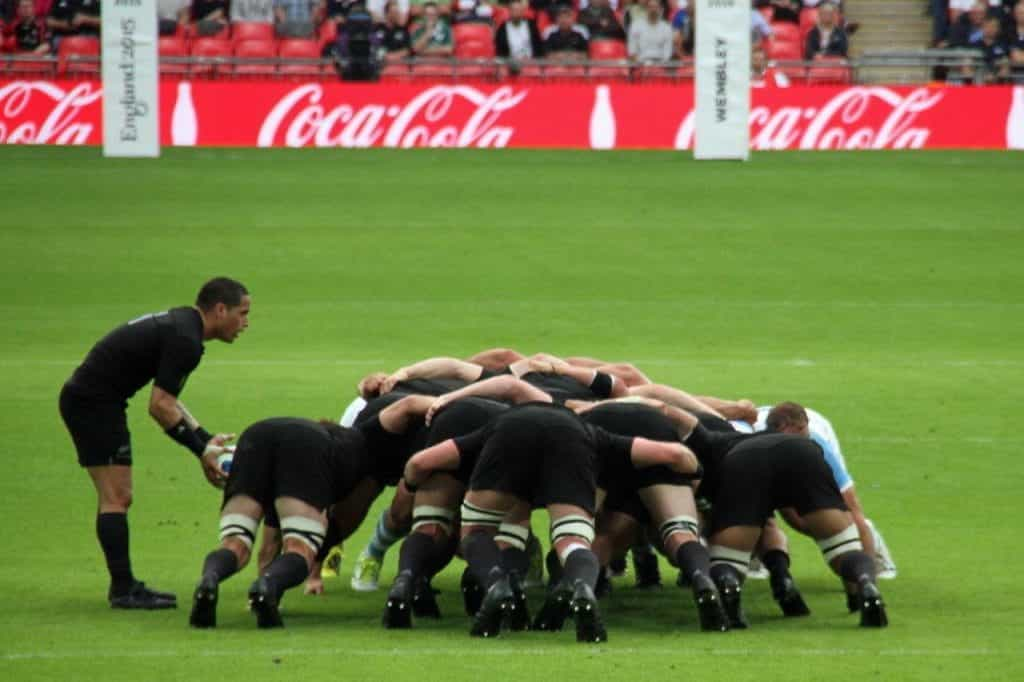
(827, 14)
(787, 417)
(565, 18)
(991, 29)
(224, 303)
(516, 10)
(654, 9)
(430, 11)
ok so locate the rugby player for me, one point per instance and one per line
(163, 348)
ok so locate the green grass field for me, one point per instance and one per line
(884, 289)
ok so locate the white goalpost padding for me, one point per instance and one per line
(131, 107)
(722, 91)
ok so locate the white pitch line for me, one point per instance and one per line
(399, 652)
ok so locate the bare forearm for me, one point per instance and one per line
(673, 396)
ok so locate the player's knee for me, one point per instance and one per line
(677, 531)
(237, 532)
(433, 521)
(847, 540)
(571, 532)
(303, 535)
(512, 535)
(238, 547)
(477, 519)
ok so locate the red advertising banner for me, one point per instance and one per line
(574, 116)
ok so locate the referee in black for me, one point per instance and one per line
(163, 347)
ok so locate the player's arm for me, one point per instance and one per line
(673, 396)
(396, 417)
(441, 457)
(867, 538)
(506, 388)
(434, 368)
(676, 456)
(742, 410)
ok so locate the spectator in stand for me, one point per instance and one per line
(762, 72)
(760, 29)
(380, 10)
(996, 53)
(86, 18)
(433, 37)
(650, 39)
(599, 19)
(1017, 41)
(58, 21)
(565, 41)
(296, 18)
(417, 7)
(392, 34)
(682, 32)
(826, 38)
(172, 14)
(28, 32)
(783, 10)
(252, 11)
(518, 38)
(209, 15)
(968, 27)
(337, 10)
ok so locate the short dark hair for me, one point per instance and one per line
(784, 414)
(221, 290)
(431, 3)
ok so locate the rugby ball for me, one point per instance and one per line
(224, 461)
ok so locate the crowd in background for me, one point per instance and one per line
(995, 27)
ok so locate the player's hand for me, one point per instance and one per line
(388, 384)
(748, 411)
(217, 446)
(438, 405)
(314, 585)
(542, 367)
(579, 406)
(369, 387)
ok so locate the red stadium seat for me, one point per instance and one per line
(784, 50)
(251, 30)
(432, 70)
(785, 32)
(175, 47)
(328, 33)
(79, 55)
(208, 51)
(474, 49)
(607, 49)
(192, 32)
(829, 71)
(472, 31)
(262, 50)
(499, 15)
(295, 48)
(808, 18)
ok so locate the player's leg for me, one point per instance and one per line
(773, 549)
(615, 531)
(674, 512)
(840, 545)
(434, 510)
(483, 512)
(884, 562)
(239, 520)
(572, 532)
(303, 528)
(390, 528)
(730, 552)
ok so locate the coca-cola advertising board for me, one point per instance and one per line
(570, 116)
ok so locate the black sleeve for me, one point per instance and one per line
(841, 43)
(602, 385)
(179, 357)
(612, 445)
(811, 46)
(472, 443)
(538, 43)
(501, 45)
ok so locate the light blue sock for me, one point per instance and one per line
(382, 539)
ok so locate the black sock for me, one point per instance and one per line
(553, 566)
(112, 530)
(287, 570)
(582, 564)
(220, 564)
(691, 558)
(855, 565)
(444, 552)
(483, 556)
(722, 572)
(515, 560)
(777, 563)
(416, 554)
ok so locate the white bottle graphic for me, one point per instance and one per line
(184, 125)
(602, 120)
(1015, 120)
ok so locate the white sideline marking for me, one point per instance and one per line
(512, 651)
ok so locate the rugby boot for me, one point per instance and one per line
(518, 618)
(142, 597)
(472, 593)
(789, 598)
(709, 604)
(497, 604)
(645, 567)
(424, 600)
(366, 573)
(263, 602)
(731, 592)
(331, 567)
(204, 604)
(872, 608)
(398, 607)
(589, 626)
(556, 608)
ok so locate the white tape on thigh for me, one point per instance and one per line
(569, 549)
(476, 516)
(840, 543)
(572, 525)
(309, 531)
(678, 524)
(513, 535)
(736, 558)
(425, 515)
(238, 526)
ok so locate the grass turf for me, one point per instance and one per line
(883, 289)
